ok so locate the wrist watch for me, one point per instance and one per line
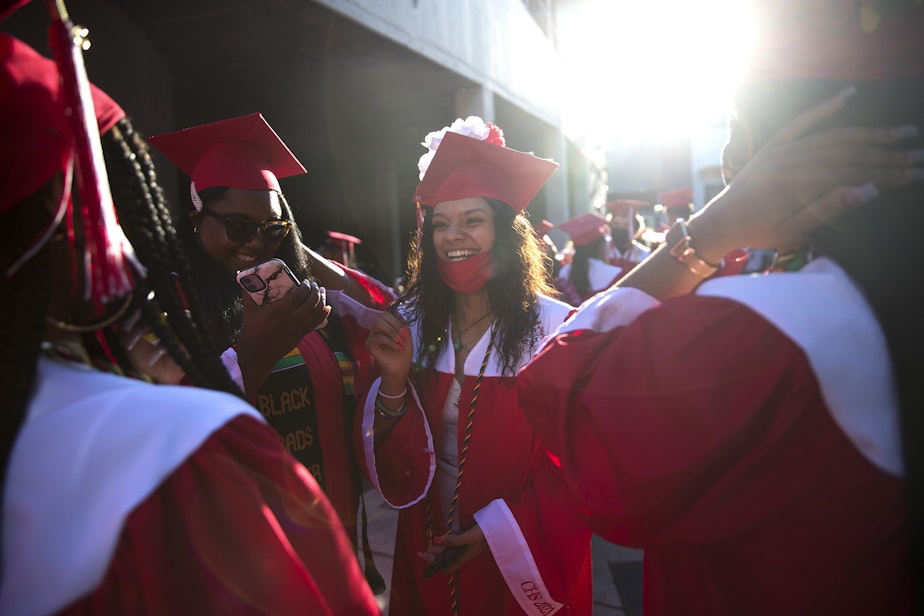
(681, 248)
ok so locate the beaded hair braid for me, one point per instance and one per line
(24, 297)
(148, 224)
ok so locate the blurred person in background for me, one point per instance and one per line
(588, 272)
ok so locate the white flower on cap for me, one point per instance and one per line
(472, 126)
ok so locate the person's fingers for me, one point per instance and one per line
(474, 541)
(248, 301)
(825, 181)
(828, 207)
(379, 341)
(391, 325)
(856, 135)
(388, 332)
(855, 155)
(320, 293)
(298, 305)
(799, 125)
(430, 554)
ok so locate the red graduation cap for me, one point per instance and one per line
(343, 238)
(38, 141)
(345, 244)
(36, 132)
(679, 197)
(468, 167)
(585, 228)
(242, 152)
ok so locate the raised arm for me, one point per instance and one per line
(796, 182)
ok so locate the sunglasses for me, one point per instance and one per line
(241, 231)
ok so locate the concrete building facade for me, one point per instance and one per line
(352, 86)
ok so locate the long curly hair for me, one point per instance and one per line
(218, 291)
(520, 276)
(878, 245)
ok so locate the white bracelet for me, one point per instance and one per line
(398, 397)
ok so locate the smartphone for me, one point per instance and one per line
(445, 558)
(268, 281)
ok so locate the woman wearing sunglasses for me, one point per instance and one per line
(296, 371)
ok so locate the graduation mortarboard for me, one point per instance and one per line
(343, 239)
(679, 197)
(344, 243)
(38, 123)
(36, 131)
(242, 152)
(468, 167)
(585, 228)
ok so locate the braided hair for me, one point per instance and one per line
(149, 226)
(25, 296)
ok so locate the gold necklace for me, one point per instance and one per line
(457, 339)
(85, 329)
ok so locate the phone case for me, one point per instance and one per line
(268, 281)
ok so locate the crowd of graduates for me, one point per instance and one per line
(735, 393)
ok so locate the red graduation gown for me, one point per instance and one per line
(745, 437)
(539, 559)
(289, 555)
(308, 400)
(129, 498)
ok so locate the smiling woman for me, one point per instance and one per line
(477, 279)
(293, 362)
(650, 70)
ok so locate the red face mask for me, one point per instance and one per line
(468, 275)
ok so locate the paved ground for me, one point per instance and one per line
(617, 570)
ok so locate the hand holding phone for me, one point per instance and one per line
(444, 559)
(267, 281)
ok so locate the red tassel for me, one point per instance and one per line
(108, 253)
